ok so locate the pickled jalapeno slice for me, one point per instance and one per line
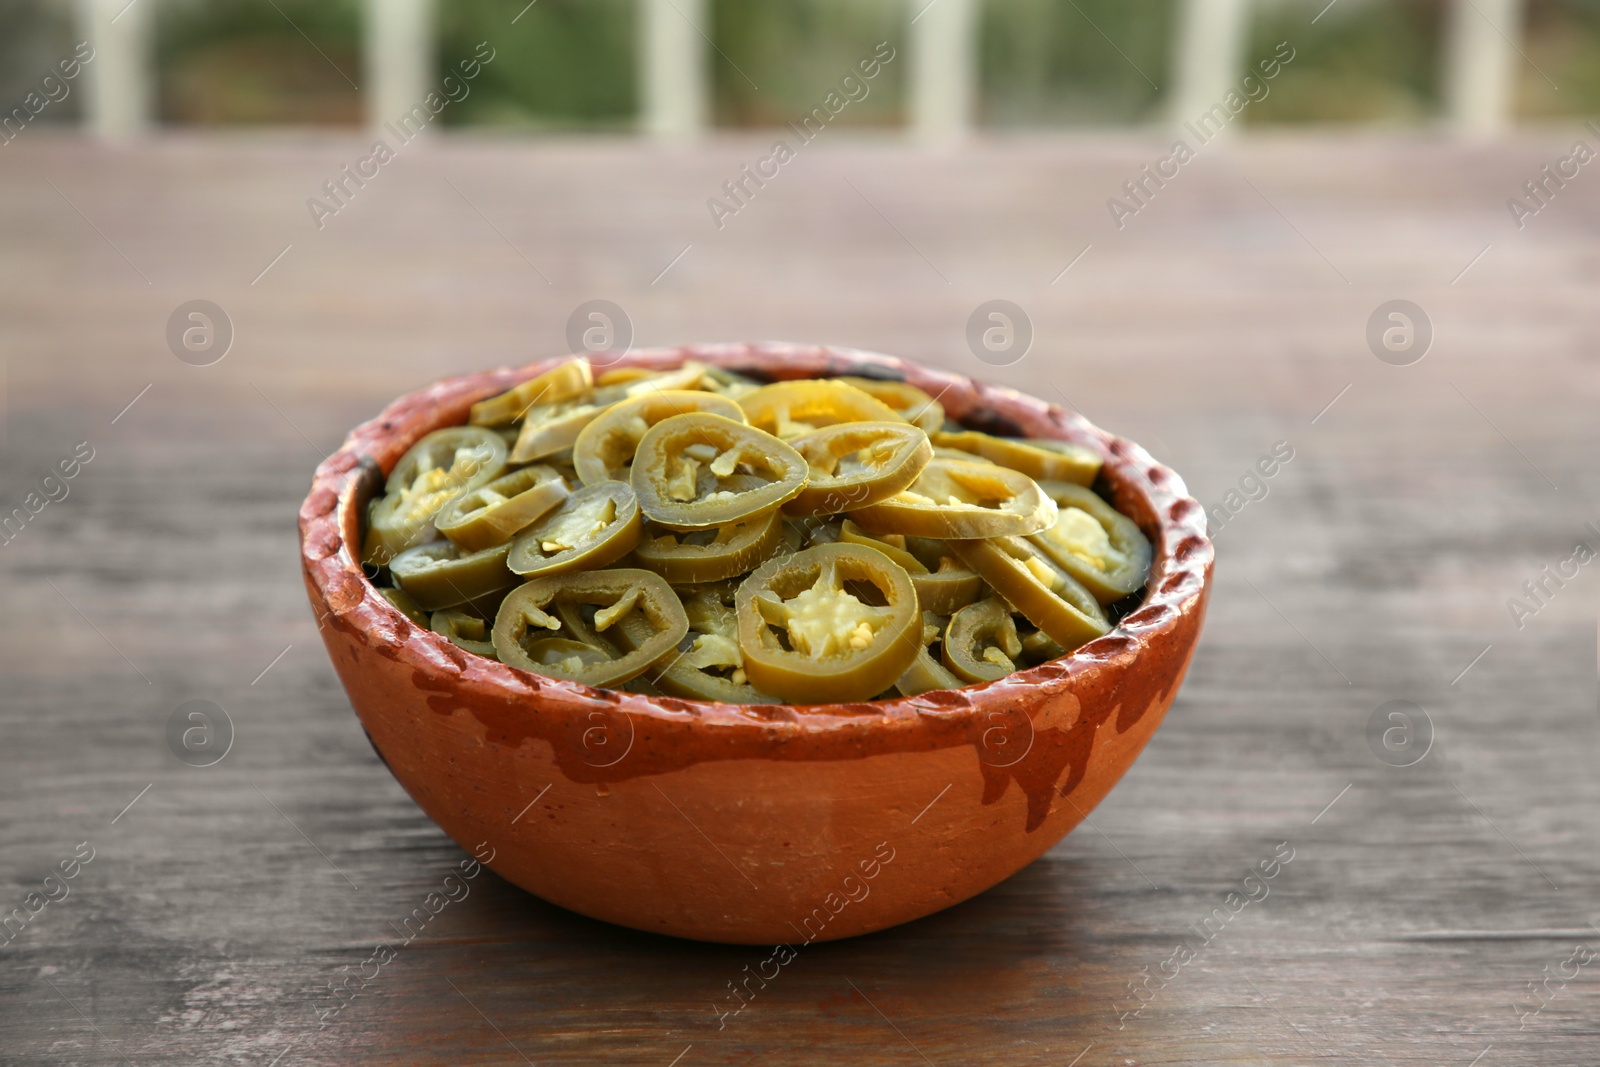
(791, 409)
(431, 474)
(528, 636)
(439, 575)
(955, 500)
(405, 605)
(832, 623)
(909, 402)
(1031, 582)
(858, 463)
(950, 588)
(593, 527)
(490, 514)
(698, 470)
(891, 545)
(1061, 461)
(464, 630)
(605, 448)
(926, 672)
(564, 382)
(981, 642)
(709, 664)
(551, 428)
(1094, 542)
(1037, 648)
(713, 554)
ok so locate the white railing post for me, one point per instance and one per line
(399, 61)
(1209, 55)
(118, 98)
(673, 60)
(1480, 87)
(944, 68)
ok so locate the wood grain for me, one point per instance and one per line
(1221, 320)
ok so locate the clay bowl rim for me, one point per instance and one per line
(345, 480)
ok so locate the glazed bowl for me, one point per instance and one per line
(754, 824)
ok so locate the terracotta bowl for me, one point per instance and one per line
(754, 824)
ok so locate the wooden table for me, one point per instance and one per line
(1227, 315)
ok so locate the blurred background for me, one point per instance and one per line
(676, 66)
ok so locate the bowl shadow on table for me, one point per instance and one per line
(576, 987)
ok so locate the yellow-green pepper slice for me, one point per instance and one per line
(710, 555)
(432, 473)
(551, 428)
(909, 402)
(981, 643)
(791, 409)
(835, 645)
(1046, 595)
(1037, 648)
(463, 630)
(710, 663)
(490, 514)
(593, 527)
(1061, 461)
(729, 383)
(926, 672)
(1094, 542)
(439, 575)
(405, 605)
(940, 592)
(855, 464)
(526, 635)
(563, 382)
(955, 500)
(605, 448)
(698, 470)
(891, 545)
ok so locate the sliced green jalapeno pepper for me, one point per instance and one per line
(955, 500)
(405, 605)
(550, 428)
(981, 643)
(525, 634)
(490, 514)
(605, 448)
(891, 545)
(810, 530)
(439, 575)
(692, 375)
(856, 464)
(709, 664)
(909, 402)
(593, 527)
(1048, 596)
(1062, 461)
(1094, 542)
(431, 474)
(834, 645)
(950, 588)
(698, 470)
(710, 555)
(729, 383)
(564, 382)
(464, 631)
(791, 409)
(942, 591)
(926, 672)
(1037, 648)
